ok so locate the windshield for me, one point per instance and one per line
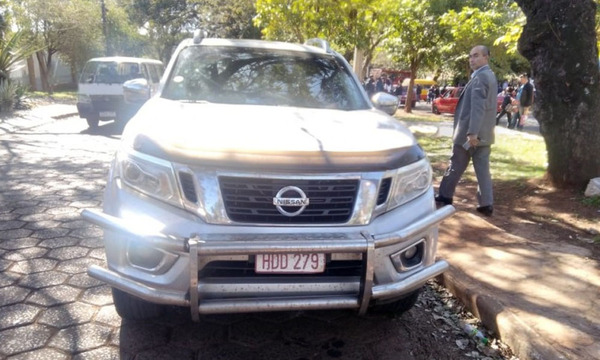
(110, 72)
(262, 77)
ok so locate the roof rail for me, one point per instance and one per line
(199, 35)
(317, 42)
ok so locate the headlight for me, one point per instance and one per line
(409, 182)
(149, 175)
(84, 98)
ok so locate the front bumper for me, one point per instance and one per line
(250, 294)
(107, 108)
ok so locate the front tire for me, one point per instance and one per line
(131, 308)
(398, 307)
(92, 122)
(435, 110)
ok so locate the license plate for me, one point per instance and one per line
(289, 263)
(107, 114)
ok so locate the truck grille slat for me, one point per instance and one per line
(250, 200)
(384, 190)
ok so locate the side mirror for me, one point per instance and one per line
(136, 91)
(385, 102)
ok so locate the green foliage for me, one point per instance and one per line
(434, 35)
(598, 22)
(77, 31)
(495, 24)
(167, 22)
(68, 96)
(69, 28)
(469, 27)
(4, 19)
(10, 95)
(415, 39)
(122, 35)
(513, 29)
(7, 95)
(440, 7)
(507, 161)
(593, 201)
(229, 19)
(74, 29)
(346, 24)
(515, 155)
(295, 21)
(13, 50)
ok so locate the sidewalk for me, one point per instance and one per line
(541, 297)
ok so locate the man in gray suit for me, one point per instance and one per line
(474, 122)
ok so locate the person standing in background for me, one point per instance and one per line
(505, 109)
(525, 97)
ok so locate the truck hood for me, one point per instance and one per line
(275, 137)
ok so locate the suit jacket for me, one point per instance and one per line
(476, 109)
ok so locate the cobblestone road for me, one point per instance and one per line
(51, 309)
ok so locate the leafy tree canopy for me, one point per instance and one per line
(346, 24)
(167, 22)
(12, 50)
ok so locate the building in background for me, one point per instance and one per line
(59, 74)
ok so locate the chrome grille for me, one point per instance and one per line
(250, 200)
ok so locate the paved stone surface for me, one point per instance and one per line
(51, 309)
(542, 297)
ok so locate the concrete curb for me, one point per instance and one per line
(525, 342)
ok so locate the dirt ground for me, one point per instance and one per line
(535, 209)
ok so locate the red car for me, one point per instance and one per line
(447, 103)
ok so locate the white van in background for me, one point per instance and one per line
(100, 90)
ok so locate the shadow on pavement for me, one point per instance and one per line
(111, 129)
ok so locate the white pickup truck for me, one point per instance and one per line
(261, 177)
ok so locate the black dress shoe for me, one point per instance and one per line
(443, 200)
(486, 210)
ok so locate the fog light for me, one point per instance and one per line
(409, 257)
(144, 257)
(410, 252)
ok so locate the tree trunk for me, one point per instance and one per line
(367, 60)
(74, 74)
(559, 40)
(31, 73)
(410, 94)
(357, 63)
(43, 71)
(48, 67)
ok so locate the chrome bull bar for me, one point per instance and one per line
(234, 244)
